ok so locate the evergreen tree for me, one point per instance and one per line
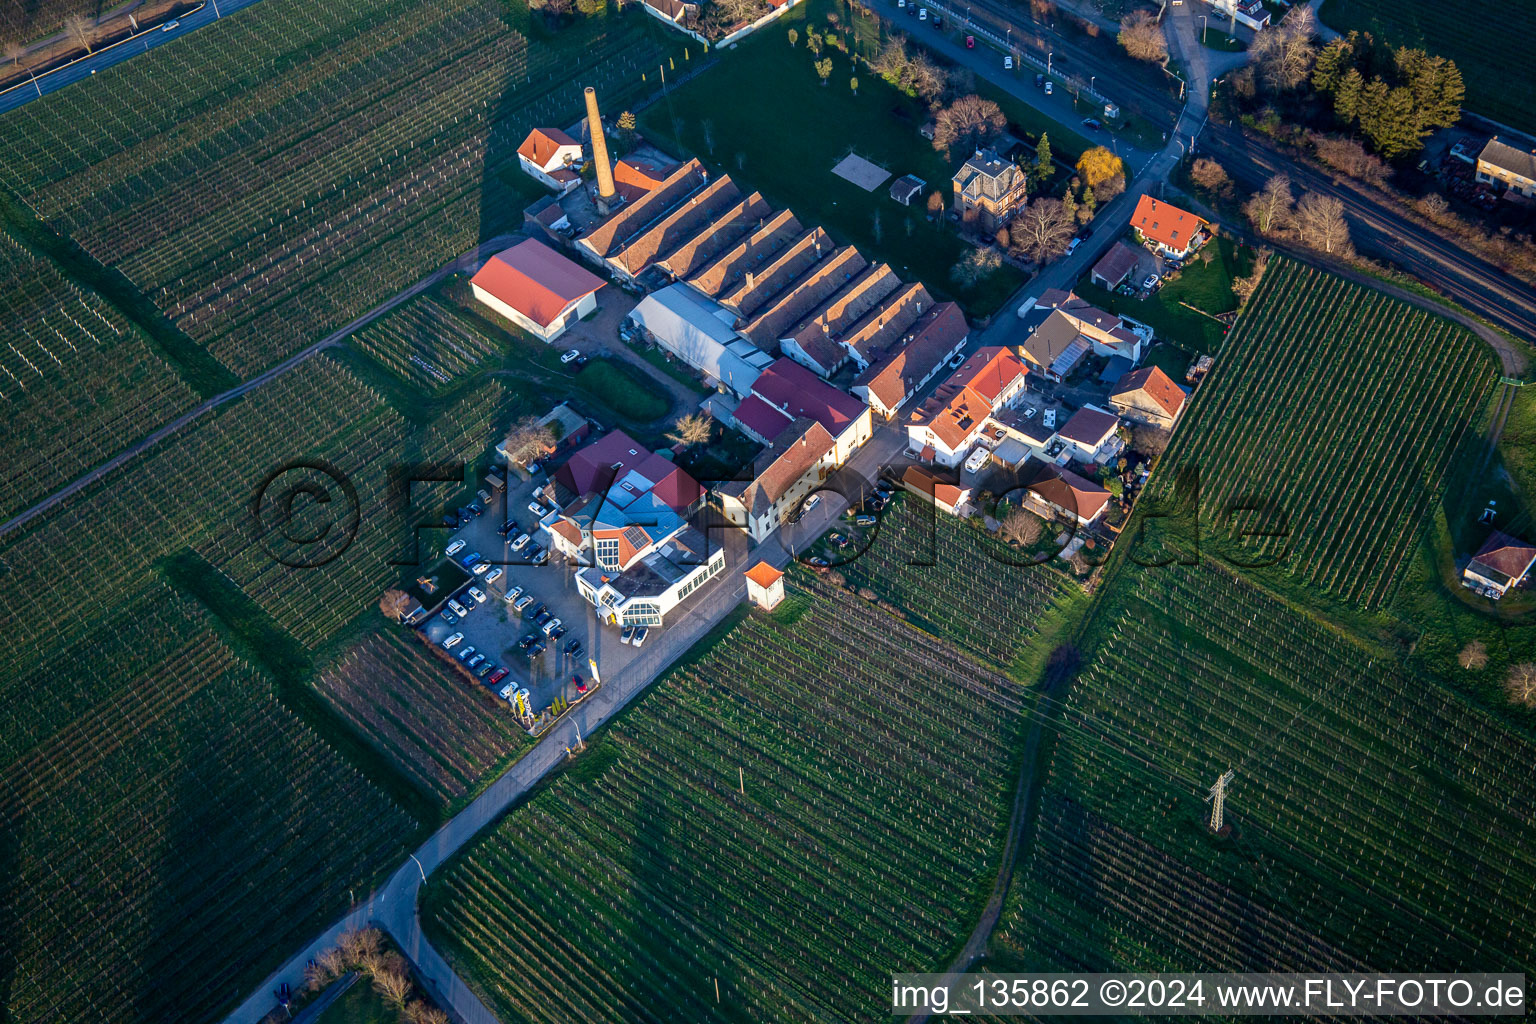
(1348, 95)
(1389, 121)
(1043, 163)
(1337, 58)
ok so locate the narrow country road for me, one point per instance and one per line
(467, 260)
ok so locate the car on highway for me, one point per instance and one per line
(570, 357)
(970, 42)
(521, 542)
(922, 14)
(477, 594)
(452, 640)
(169, 26)
(1039, 81)
(1093, 123)
(1008, 63)
(1048, 89)
(493, 576)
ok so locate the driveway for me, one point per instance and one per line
(601, 333)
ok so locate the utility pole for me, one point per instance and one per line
(741, 780)
(1217, 798)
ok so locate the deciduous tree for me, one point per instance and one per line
(1520, 684)
(974, 266)
(394, 604)
(1474, 656)
(80, 27)
(794, 37)
(527, 440)
(695, 428)
(1042, 231)
(1021, 527)
(1211, 176)
(1098, 165)
(824, 69)
(1142, 37)
(1284, 54)
(1320, 220)
(1270, 208)
(968, 123)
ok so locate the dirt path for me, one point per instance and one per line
(463, 262)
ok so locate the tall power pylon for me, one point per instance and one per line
(1218, 798)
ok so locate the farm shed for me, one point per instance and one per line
(698, 331)
(906, 188)
(536, 288)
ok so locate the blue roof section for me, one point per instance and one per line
(700, 332)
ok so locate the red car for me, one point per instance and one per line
(496, 677)
(970, 42)
(581, 684)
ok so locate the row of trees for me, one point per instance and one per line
(1316, 219)
(363, 951)
(1395, 102)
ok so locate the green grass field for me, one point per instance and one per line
(763, 116)
(771, 818)
(1485, 38)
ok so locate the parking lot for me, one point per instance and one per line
(494, 628)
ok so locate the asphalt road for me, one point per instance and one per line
(101, 60)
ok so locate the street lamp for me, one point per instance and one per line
(1091, 80)
(1048, 55)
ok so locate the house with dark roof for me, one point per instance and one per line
(787, 470)
(1504, 165)
(1062, 328)
(787, 391)
(907, 188)
(1149, 396)
(1502, 564)
(989, 191)
(953, 419)
(1091, 435)
(552, 157)
(901, 369)
(1115, 265)
(1168, 230)
(536, 288)
(1057, 493)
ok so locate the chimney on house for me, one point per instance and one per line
(751, 280)
(605, 190)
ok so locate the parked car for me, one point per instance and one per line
(476, 508)
(557, 633)
(537, 555)
(542, 618)
(536, 509)
(977, 460)
(536, 649)
(528, 641)
(550, 625)
(1029, 413)
(628, 636)
(466, 654)
(523, 602)
(481, 568)
(865, 521)
(810, 503)
(477, 594)
(579, 683)
(505, 528)
(452, 640)
(957, 360)
(497, 677)
(455, 548)
(448, 617)
(1150, 282)
(521, 542)
(970, 42)
(573, 646)
(570, 357)
(469, 560)
(1072, 246)
(640, 634)
(457, 608)
(485, 670)
(507, 692)
(475, 661)
(493, 576)
(513, 595)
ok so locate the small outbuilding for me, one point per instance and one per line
(1115, 266)
(1500, 565)
(907, 188)
(765, 586)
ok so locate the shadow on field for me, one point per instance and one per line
(12, 818)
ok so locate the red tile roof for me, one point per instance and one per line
(764, 575)
(599, 464)
(933, 487)
(1165, 224)
(893, 376)
(787, 385)
(1070, 492)
(1506, 554)
(542, 143)
(988, 371)
(641, 174)
(1156, 385)
(535, 280)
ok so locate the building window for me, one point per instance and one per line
(608, 554)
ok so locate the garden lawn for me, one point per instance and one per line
(1206, 286)
(622, 390)
(763, 116)
(361, 1004)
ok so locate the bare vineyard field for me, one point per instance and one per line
(957, 583)
(876, 774)
(1377, 817)
(77, 380)
(425, 343)
(182, 815)
(288, 167)
(1342, 409)
(443, 728)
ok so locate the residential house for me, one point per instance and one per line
(786, 391)
(945, 494)
(1148, 396)
(1500, 565)
(698, 331)
(1058, 493)
(788, 469)
(989, 191)
(1063, 328)
(536, 288)
(1167, 230)
(1502, 164)
(674, 12)
(899, 371)
(951, 421)
(1249, 13)
(1115, 266)
(1091, 435)
(552, 157)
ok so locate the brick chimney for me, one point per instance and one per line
(605, 190)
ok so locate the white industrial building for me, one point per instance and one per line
(702, 334)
